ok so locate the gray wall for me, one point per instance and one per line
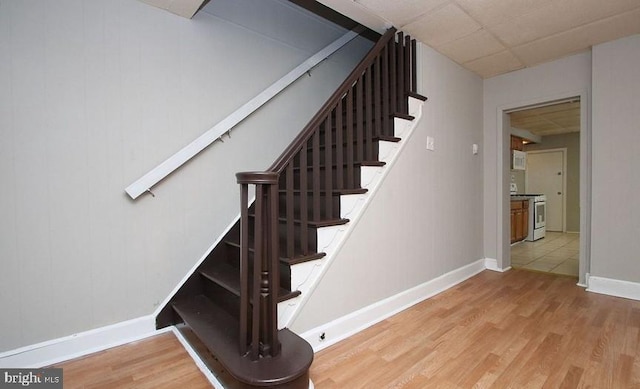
(93, 94)
(572, 143)
(616, 180)
(426, 218)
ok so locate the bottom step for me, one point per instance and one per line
(217, 331)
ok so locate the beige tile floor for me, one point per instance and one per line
(555, 253)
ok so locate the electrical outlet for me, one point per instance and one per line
(474, 148)
(431, 143)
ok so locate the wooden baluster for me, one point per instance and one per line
(368, 128)
(386, 118)
(328, 165)
(304, 207)
(316, 175)
(377, 97)
(273, 273)
(401, 75)
(244, 267)
(258, 246)
(289, 211)
(414, 67)
(349, 135)
(339, 146)
(407, 73)
(393, 97)
(359, 119)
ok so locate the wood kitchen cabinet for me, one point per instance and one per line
(519, 220)
(516, 143)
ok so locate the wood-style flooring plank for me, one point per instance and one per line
(517, 329)
(157, 362)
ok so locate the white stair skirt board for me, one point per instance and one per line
(80, 344)
(492, 264)
(197, 360)
(613, 287)
(357, 321)
(306, 276)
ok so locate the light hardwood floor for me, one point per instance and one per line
(157, 362)
(517, 329)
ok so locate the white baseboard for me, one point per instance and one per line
(80, 344)
(613, 287)
(357, 321)
(492, 264)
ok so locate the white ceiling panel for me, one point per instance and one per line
(401, 12)
(557, 16)
(492, 12)
(549, 120)
(473, 46)
(579, 39)
(442, 25)
(184, 8)
(494, 64)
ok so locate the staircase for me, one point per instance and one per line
(228, 308)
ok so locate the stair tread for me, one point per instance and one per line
(394, 139)
(417, 96)
(359, 163)
(334, 192)
(228, 277)
(405, 116)
(314, 223)
(290, 261)
(219, 332)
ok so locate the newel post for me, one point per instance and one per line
(259, 274)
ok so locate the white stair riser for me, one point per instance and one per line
(305, 276)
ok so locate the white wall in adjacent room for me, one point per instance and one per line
(94, 94)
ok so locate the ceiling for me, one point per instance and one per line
(488, 37)
(553, 119)
(492, 37)
(185, 8)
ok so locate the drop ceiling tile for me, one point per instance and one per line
(442, 25)
(401, 12)
(579, 39)
(556, 17)
(184, 8)
(494, 64)
(492, 12)
(473, 46)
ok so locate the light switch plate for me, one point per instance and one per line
(431, 143)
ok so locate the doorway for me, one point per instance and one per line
(550, 133)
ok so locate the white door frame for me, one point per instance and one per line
(503, 167)
(563, 150)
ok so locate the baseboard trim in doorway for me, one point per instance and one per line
(492, 264)
(613, 287)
